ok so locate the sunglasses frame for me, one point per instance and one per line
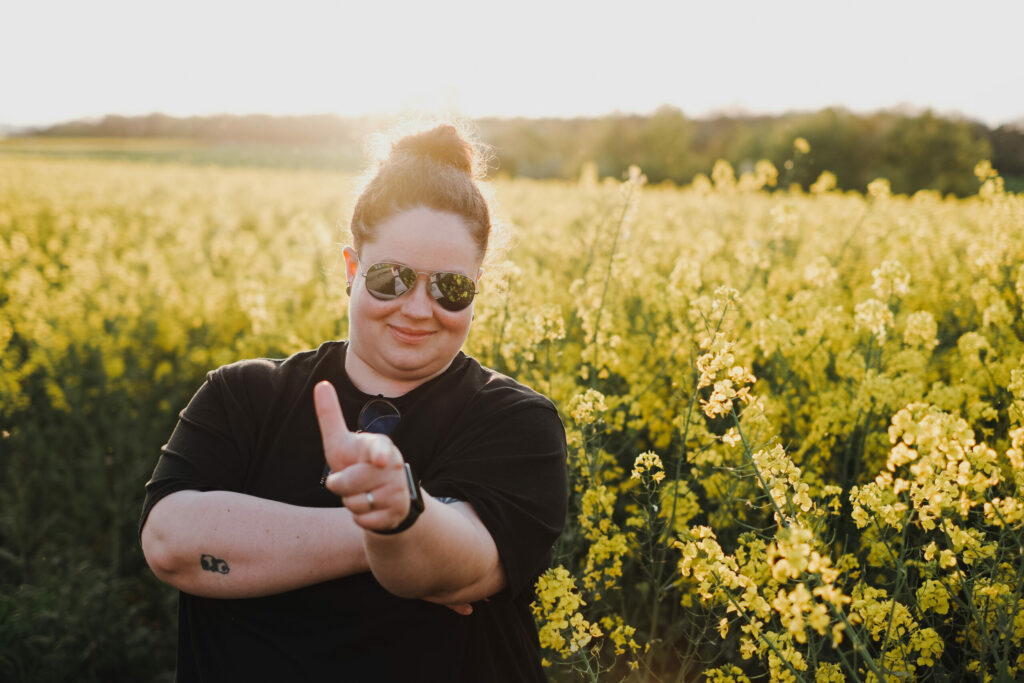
(379, 423)
(432, 278)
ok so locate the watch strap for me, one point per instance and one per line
(415, 505)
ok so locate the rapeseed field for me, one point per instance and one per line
(795, 419)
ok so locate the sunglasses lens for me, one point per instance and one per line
(456, 291)
(389, 280)
(379, 417)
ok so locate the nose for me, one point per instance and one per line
(417, 303)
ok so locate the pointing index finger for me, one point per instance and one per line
(333, 430)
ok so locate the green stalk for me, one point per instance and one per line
(604, 290)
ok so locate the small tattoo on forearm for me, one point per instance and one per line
(212, 564)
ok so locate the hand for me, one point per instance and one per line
(368, 470)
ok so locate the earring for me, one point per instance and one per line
(348, 288)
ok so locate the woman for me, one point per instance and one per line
(376, 509)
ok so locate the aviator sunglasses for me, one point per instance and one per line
(386, 281)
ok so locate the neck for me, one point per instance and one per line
(369, 381)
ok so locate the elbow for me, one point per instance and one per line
(159, 553)
(406, 586)
(484, 587)
(163, 538)
(412, 580)
(446, 587)
(449, 556)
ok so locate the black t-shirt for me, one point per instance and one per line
(470, 434)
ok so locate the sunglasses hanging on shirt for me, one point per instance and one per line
(378, 416)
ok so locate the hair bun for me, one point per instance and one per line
(442, 144)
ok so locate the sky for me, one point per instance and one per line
(62, 60)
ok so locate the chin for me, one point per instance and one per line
(414, 363)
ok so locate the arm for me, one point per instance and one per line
(255, 547)
(446, 556)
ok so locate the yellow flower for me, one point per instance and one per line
(717, 357)
(828, 672)
(928, 644)
(921, 330)
(726, 674)
(723, 176)
(587, 408)
(874, 316)
(933, 596)
(645, 462)
(556, 605)
(819, 272)
(604, 562)
(596, 508)
(983, 170)
(766, 173)
(621, 634)
(891, 279)
(731, 437)
(825, 182)
(879, 189)
(801, 145)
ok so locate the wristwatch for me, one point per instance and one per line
(415, 505)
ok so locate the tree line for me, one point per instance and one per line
(915, 151)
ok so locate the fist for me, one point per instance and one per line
(368, 471)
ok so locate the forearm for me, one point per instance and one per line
(446, 556)
(252, 546)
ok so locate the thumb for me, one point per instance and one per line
(334, 432)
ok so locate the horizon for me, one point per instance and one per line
(905, 109)
(538, 60)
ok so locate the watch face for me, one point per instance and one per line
(415, 494)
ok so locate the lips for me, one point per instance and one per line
(409, 335)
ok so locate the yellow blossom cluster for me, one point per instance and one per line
(783, 481)
(726, 674)
(729, 382)
(596, 510)
(874, 316)
(650, 464)
(587, 407)
(564, 628)
(891, 280)
(621, 634)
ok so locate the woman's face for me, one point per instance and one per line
(397, 344)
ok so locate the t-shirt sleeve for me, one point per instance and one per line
(511, 467)
(208, 448)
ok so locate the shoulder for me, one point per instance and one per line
(257, 383)
(494, 389)
(256, 372)
(498, 406)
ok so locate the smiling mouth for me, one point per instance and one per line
(409, 336)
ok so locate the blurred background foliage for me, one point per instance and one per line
(914, 150)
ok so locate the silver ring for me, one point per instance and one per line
(369, 499)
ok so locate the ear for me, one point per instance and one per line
(351, 264)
